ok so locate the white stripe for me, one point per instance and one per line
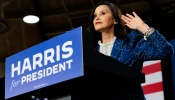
(153, 78)
(146, 63)
(155, 96)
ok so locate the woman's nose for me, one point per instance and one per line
(97, 17)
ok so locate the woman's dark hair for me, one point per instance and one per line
(119, 28)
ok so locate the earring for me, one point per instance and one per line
(115, 22)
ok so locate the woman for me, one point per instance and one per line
(143, 43)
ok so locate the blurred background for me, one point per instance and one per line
(59, 16)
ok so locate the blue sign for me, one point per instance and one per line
(50, 62)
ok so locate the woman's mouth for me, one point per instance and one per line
(97, 22)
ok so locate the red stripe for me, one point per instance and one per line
(152, 68)
(156, 87)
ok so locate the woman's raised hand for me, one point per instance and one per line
(134, 22)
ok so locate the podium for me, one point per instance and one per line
(102, 74)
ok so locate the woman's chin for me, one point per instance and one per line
(99, 29)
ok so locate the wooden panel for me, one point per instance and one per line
(16, 9)
(15, 37)
(75, 5)
(138, 7)
(2, 70)
(31, 34)
(56, 23)
(3, 48)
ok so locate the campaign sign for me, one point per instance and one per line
(55, 60)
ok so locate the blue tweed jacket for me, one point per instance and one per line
(138, 50)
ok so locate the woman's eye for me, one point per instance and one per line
(95, 16)
(103, 13)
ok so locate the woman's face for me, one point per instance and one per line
(103, 19)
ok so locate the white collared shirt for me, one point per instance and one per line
(107, 47)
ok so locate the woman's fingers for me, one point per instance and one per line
(130, 16)
(135, 15)
(125, 19)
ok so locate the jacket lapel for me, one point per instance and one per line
(117, 48)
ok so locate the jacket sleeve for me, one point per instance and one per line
(156, 47)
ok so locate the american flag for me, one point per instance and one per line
(153, 87)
